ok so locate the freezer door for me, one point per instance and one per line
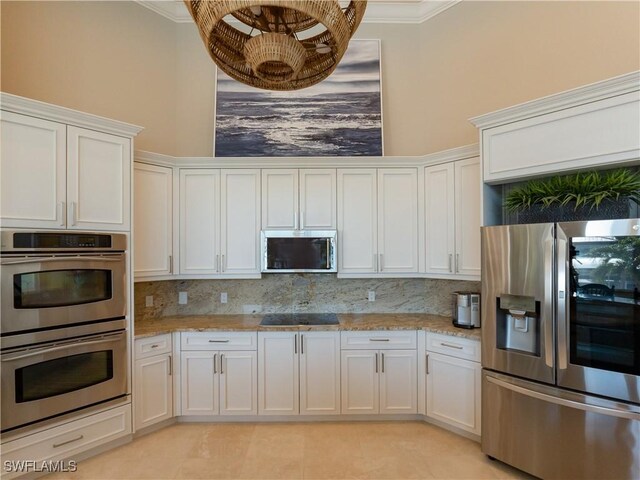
(599, 307)
(557, 434)
(517, 300)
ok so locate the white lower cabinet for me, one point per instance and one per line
(383, 380)
(153, 391)
(216, 379)
(66, 440)
(299, 373)
(453, 378)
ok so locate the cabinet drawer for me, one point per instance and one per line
(379, 339)
(148, 347)
(218, 340)
(454, 346)
(71, 438)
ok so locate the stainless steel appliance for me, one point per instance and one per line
(561, 348)
(465, 308)
(304, 251)
(63, 336)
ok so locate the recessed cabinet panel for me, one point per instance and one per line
(199, 210)
(398, 385)
(357, 221)
(317, 199)
(467, 218)
(278, 373)
(152, 213)
(280, 199)
(319, 373)
(153, 390)
(360, 385)
(238, 373)
(33, 181)
(440, 218)
(199, 386)
(98, 180)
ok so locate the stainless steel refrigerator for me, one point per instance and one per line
(561, 348)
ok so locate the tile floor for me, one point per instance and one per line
(345, 450)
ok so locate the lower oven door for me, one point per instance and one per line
(45, 381)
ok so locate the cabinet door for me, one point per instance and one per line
(199, 383)
(467, 216)
(453, 391)
(318, 199)
(199, 221)
(439, 218)
(153, 390)
(240, 221)
(320, 373)
(152, 214)
(238, 383)
(98, 180)
(398, 381)
(278, 388)
(398, 220)
(280, 199)
(33, 157)
(357, 221)
(359, 379)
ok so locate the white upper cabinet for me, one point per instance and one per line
(33, 180)
(199, 221)
(452, 219)
(98, 180)
(595, 125)
(152, 213)
(240, 221)
(378, 221)
(295, 199)
(59, 176)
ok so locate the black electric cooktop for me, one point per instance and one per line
(293, 319)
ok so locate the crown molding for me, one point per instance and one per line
(593, 92)
(35, 108)
(378, 11)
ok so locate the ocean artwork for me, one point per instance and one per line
(340, 116)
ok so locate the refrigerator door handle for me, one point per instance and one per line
(547, 313)
(563, 401)
(562, 304)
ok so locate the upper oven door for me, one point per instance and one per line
(599, 307)
(60, 290)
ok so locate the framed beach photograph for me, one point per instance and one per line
(340, 116)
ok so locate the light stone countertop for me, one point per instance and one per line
(348, 322)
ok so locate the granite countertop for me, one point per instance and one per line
(348, 322)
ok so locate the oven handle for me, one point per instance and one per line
(60, 259)
(9, 357)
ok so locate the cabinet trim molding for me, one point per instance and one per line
(35, 108)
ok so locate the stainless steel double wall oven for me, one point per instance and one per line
(63, 334)
(561, 348)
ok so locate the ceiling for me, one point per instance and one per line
(378, 11)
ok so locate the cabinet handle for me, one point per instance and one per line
(295, 344)
(426, 363)
(170, 366)
(74, 207)
(170, 263)
(61, 212)
(217, 262)
(382, 355)
(302, 344)
(224, 263)
(219, 341)
(328, 253)
(155, 345)
(381, 262)
(457, 262)
(215, 363)
(451, 346)
(450, 263)
(56, 445)
(221, 358)
(376, 363)
(378, 339)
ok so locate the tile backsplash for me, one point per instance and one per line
(287, 293)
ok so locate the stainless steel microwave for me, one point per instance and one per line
(299, 251)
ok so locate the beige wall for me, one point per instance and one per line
(123, 61)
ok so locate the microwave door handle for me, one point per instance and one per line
(328, 254)
(39, 351)
(60, 259)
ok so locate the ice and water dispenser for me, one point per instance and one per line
(518, 324)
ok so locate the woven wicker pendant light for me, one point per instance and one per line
(274, 55)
